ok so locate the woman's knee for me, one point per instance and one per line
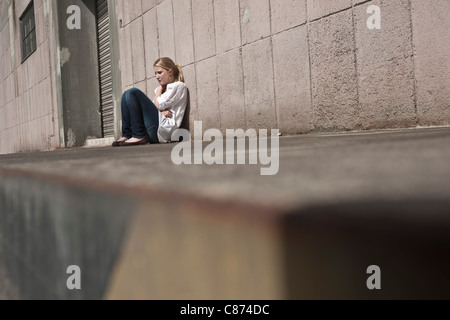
(131, 92)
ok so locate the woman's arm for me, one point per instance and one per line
(173, 96)
(159, 93)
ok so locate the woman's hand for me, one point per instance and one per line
(167, 114)
(160, 91)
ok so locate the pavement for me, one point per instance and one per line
(313, 169)
(144, 228)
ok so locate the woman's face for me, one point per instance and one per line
(163, 76)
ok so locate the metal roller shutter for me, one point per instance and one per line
(105, 71)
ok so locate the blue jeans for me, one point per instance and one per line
(140, 116)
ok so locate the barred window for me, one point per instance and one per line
(28, 32)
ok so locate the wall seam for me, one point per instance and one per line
(308, 31)
(333, 13)
(173, 30)
(145, 53)
(145, 11)
(28, 121)
(12, 51)
(356, 68)
(157, 29)
(51, 72)
(241, 57)
(414, 63)
(290, 28)
(361, 3)
(130, 45)
(273, 67)
(217, 68)
(195, 59)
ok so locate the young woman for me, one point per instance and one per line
(144, 121)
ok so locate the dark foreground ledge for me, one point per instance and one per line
(139, 226)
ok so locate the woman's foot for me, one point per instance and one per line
(134, 142)
(119, 142)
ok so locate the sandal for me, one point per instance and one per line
(118, 143)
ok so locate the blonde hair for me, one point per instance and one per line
(167, 64)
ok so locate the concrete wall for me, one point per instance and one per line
(80, 74)
(298, 65)
(28, 101)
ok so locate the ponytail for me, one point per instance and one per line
(180, 74)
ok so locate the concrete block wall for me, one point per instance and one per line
(431, 21)
(297, 65)
(27, 95)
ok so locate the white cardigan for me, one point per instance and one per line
(174, 100)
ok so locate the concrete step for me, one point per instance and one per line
(140, 227)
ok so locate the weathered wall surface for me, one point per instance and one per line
(296, 65)
(28, 116)
(431, 21)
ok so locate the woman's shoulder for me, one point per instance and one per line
(177, 85)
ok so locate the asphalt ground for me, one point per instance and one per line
(394, 165)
